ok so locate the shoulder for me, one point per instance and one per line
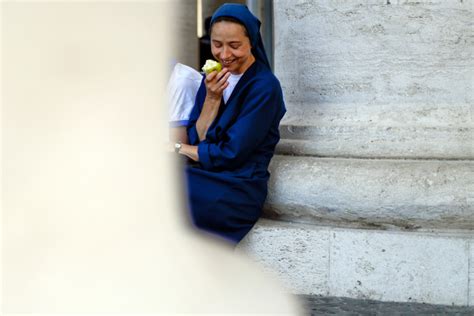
(262, 90)
(265, 76)
(262, 80)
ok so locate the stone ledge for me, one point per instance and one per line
(377, 142)
(372, 265)
(380, 194)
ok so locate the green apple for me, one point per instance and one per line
(210, 66)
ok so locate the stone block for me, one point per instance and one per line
(428, 267)
(297, 254)
(370, 193)
(399, 267)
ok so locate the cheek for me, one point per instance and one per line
(241, 53)
(214, 51)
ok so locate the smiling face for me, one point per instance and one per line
(231, 46)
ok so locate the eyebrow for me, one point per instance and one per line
(232, 42)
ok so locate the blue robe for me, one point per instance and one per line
(228, 187)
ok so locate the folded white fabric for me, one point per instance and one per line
(182, 88)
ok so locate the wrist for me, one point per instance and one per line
(177, 147)
(214, 99)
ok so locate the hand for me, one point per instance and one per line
(216, 82)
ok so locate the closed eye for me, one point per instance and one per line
(216, 43)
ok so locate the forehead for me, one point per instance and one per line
(226, 30)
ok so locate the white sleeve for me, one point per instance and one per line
(182, 89)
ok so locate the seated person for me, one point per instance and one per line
(233, 129)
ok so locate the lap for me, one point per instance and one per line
(225, 205)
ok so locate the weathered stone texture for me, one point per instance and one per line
(380, 94)
(394, 73)
(365, 264)
(385, 194)
(371, 141)
(355, 52)
(399, 267)
(299, 255)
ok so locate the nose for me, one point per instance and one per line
(225, 53)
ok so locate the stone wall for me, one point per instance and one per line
(376, 78)
(371, 190)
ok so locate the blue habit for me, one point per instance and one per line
(228, 187)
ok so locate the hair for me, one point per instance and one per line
(229, 19)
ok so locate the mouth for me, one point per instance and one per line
(227, 63)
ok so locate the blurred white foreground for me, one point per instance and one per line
(90, 219)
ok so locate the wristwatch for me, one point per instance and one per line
(177, 147)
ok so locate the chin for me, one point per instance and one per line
(234, 67)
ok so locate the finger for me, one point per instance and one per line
(224, 78)
(222, 88)
(210, 76)
(222, 73)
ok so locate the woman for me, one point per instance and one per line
(233, 128)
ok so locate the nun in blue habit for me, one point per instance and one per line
(233, 129)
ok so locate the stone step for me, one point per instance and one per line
(429, 267)
(428, 114)
(372, 193)
(362, 141)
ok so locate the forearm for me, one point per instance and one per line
(207, 116)
(215, 86)
(189, 151)
(178, 134)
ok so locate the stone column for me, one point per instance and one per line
(185, 30)
(377, 150)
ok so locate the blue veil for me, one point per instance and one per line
(241, 13)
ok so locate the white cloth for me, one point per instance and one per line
(182, 89)
(233, 80)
